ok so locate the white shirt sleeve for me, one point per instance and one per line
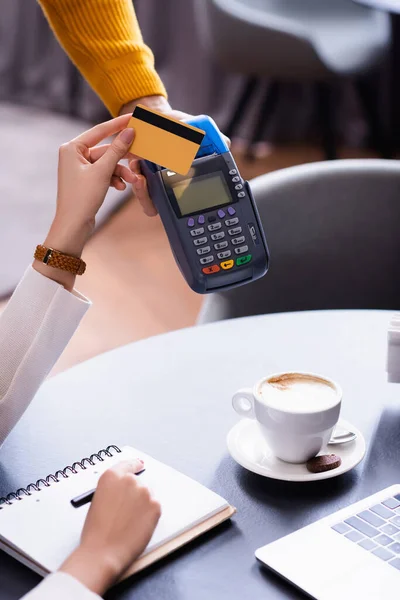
(60, 586)
(393, 355)
(36, 325)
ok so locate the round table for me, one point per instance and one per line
(171, 397)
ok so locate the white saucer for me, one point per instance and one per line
(248, 448)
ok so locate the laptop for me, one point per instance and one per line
(353, 554)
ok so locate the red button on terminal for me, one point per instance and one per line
(211, 270)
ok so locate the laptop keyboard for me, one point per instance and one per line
(376, 530)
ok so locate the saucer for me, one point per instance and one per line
(248, 448)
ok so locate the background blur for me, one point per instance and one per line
(318, 81)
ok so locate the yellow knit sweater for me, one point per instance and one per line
(103, 39)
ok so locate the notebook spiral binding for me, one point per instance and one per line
(61, 473)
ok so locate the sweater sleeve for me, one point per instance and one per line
(103, 39)
(60, 586)
(36, 325)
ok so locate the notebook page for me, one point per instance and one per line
(46, 527)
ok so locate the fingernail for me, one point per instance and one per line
(140, 460)
(127, 135)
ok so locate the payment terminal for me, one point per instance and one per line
(210, 216)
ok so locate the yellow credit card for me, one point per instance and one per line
(167, 142)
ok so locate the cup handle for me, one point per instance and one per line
(243, 403)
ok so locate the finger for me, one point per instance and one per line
(227, 141)
(142, 194)
(125, 173)
(128, 466)
(135, 166)
(94, 136)
(115, 152)
(97, 152)
(117, 183)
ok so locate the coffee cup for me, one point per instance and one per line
(296, 412)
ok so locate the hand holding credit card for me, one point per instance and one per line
(163, 140)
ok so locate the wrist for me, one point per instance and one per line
(68, 237)
(95, 570)
(159, 103)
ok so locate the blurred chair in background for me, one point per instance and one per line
(309, 40)
(333, 234)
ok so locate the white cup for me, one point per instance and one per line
(295, 432)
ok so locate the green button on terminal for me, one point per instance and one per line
(243, 260)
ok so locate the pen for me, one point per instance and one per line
(88, 496)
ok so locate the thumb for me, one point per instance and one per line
(117, 150)
(128, 466)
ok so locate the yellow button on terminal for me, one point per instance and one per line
(227, 264)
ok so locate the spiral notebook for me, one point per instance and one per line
(40, 527)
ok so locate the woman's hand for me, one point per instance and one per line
(118, 527)
(85, 172)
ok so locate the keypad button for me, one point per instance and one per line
(238, 240)
(371, 518)
(228, 264)
(395, 563)
(221, 213)
(231, 210)
(217, 236)
(225, 254)
(200, 241)
(382, 511)
(214, 226)
(206, 260)
(354, 536)
(339, 527)
(190, 222)
(204, 250)
(235, 231)
(236, 179)
(243, 260)
(211, 218)
(383, 553)
(391, 503)
(198, 231)
(241, 194)
(230, 222)
(238, 186)
(220, 245)
(232, 172)
(355, 522)
(241, 250)
(389, 529)
(383, 540)
(367, 544)
(395, 548)
(211, 270)
(200, 219)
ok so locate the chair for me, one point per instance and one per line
(290, 40)
(333, 230)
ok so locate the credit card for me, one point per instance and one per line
(167, 142)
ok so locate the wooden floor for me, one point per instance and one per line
(132, 280)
